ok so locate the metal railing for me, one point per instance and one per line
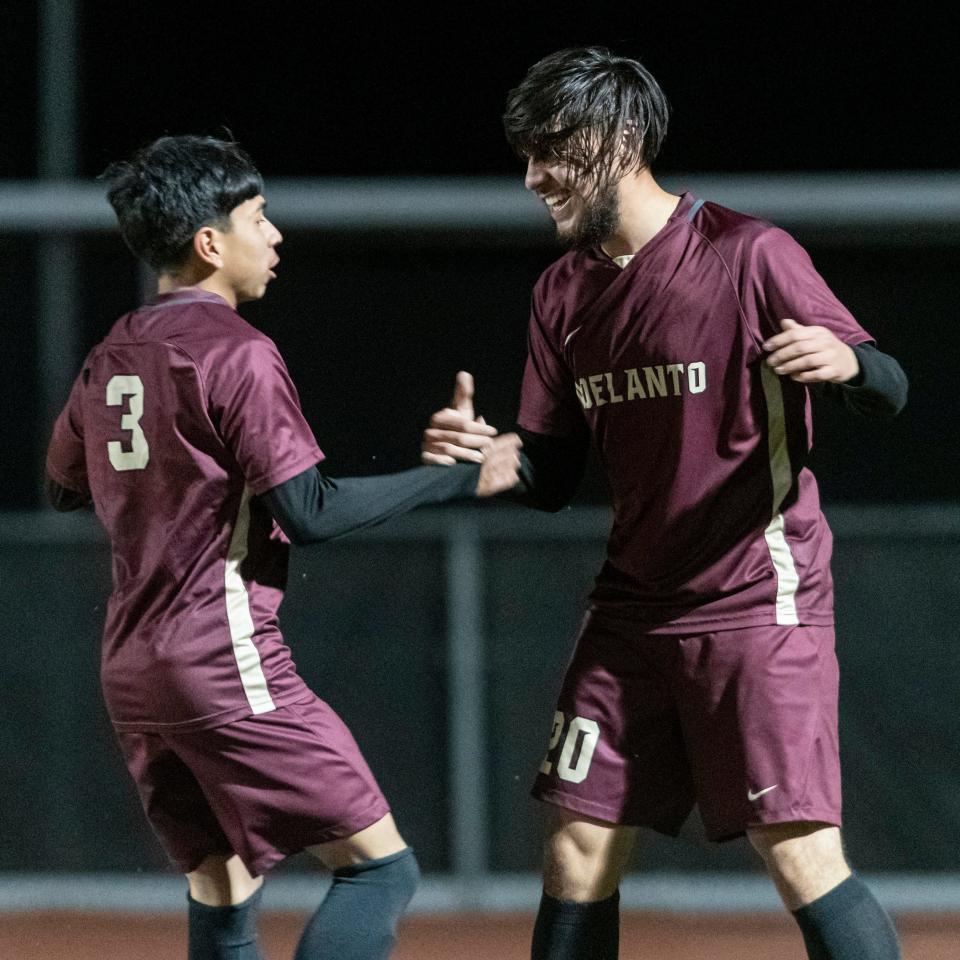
(462, 532)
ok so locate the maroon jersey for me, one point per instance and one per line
(180, 416)
(716, 521)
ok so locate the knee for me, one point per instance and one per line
(407, 877)
(805, 860)
(222, 881)
(397, 877)
(578, 869)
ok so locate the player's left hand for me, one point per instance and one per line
(811, 354)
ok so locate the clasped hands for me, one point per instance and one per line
(456, 434)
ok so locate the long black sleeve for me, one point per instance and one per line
(878, 390)
(551, 469)
(312, 508)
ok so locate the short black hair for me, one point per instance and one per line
(576, 105)
(170, 189)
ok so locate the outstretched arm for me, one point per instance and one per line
(313, 508)
(860, 376)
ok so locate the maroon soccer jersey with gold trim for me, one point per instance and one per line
(716, 521)
(179, 416)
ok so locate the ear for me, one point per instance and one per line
(630, 135)
(206, 245)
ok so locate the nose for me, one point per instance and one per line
(535, 174)
(277, 237)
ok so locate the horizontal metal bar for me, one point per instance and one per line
(930, 522)
(918, 200)
(727, 893)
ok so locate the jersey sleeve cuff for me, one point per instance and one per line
(261, 485)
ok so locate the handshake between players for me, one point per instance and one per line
(455, 435)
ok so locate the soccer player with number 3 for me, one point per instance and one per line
(185, 433)
(684, 338)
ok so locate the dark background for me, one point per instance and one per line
(329, 89)
(374, 327)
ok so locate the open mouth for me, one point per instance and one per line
(557, 202)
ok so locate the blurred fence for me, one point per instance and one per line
(441, 639)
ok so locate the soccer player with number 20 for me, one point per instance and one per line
(685, 338)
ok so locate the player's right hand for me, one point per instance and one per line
(501, 466)
(454, 434)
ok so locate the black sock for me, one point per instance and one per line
(358, 917)
(577, 931)
(848, 924)
(223, 933)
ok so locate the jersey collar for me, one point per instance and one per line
(186, 295)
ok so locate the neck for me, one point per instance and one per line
(212, 283)
(644, 208)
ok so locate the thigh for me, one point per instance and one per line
(222, 880)
(173, 801)
(380, 839)
(759, 713)
(616, 749)
(283, 781)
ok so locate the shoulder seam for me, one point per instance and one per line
(733, 285)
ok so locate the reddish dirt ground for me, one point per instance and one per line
(644, 936)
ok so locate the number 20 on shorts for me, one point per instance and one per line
(573, 764)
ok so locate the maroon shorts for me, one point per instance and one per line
(263, 787)
(741, 722)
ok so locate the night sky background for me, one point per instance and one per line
(327, 89)
(366, 89)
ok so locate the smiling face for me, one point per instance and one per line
(585, 211)
(247, 250)
(583, 120)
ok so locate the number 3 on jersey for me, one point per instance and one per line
(581, 732)
(139, 455)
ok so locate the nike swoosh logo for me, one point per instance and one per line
(570, 335)
(755, 796)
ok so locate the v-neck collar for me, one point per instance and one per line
(680, 212)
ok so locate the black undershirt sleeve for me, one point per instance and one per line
(313, 508)
(551, 469)
(62, 499)
(878, 390)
